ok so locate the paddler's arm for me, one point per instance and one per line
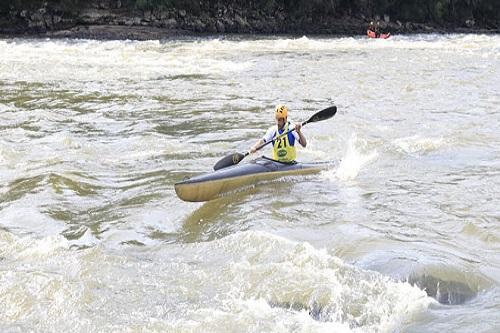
(253, 149)
(302, 138)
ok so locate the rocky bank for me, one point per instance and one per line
(110, 19)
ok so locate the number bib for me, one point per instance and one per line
(282, 149)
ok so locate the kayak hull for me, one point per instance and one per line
(211, 185)
(372, 34)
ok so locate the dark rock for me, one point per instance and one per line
(241, 23)
(199, 26)
(170, 23)
(56, 19)
(220, 26)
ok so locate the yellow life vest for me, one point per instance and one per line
(283, 151)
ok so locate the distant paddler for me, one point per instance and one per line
(375, 31)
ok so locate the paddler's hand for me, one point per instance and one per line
(298, 127)
(256, 146)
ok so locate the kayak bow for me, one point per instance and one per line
(210, 185)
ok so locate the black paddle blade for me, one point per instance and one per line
(322, 115)
(229, 160)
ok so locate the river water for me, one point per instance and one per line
(402, 235)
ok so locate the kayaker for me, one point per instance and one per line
(371, 27)
(375, 28)
(283, 147)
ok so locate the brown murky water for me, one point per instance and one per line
(403, 236)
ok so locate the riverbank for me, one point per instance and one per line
(116, 22)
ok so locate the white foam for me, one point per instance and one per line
(31, 248)
(24, 216)
(95, 61)
(417, 144)
(301, 286)
(246, 281)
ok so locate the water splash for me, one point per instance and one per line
(356, 157)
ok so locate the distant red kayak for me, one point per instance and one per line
(372, 34)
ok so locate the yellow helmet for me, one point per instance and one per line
(281, 111)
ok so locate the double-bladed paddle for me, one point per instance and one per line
(236, 158)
